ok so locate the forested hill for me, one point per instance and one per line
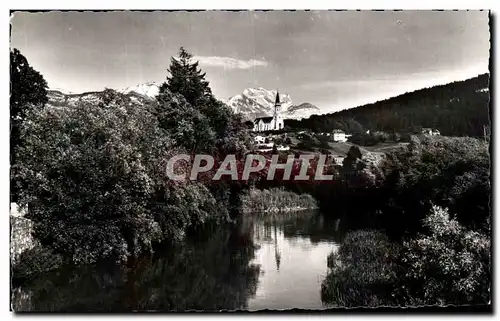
(455, 109)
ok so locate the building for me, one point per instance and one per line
(270, 123)
(339, 136)
(430, 132)
(259, 139)
(338, 160)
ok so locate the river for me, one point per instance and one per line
(260, 263)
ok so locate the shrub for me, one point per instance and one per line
(305, 146)
(361, 272)
(275, 200)
(449, 266)
(33, 262)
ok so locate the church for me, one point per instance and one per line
(270, 123)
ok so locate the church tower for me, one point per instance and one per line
(277, 110)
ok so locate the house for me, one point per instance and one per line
(259, 139)
(338, 160)
(282, 148)
(267, 147)
(339, 136)
(430, 132)
(274, 122)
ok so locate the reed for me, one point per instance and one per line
(276, 200)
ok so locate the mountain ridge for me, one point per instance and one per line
(251, 103)
(259, 102)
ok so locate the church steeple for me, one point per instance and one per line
(277, 102)
(277, 107)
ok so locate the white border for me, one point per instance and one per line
(199, 4)
(255, 4)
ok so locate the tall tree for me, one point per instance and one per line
(28, 89)
(187, 79)
(186, 98)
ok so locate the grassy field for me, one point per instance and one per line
(336, 148)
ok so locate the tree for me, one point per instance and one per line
(188, 110)
(96, 183)
(452, 172)
(456, 109)
(28, 89)
(111, 96)
(187, 79)
(198, 122)
(185, 123)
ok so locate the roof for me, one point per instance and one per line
(277, 102)
(338, 131)
(264, 119)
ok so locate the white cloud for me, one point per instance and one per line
(228, 62)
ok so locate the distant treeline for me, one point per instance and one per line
(455, 109)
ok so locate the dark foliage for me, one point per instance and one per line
(395, 191)
(456, 109)
(28, 89)
(446, 265)
(187, 79)
(362, 271)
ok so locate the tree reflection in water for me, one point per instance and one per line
(209, 274)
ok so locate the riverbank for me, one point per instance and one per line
(237, 266)
(276, 200)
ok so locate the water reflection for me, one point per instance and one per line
(209, 274)
(262, 263)
(292, 257)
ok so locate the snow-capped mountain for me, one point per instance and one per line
(303, 110)
(252, 103)
(259, 102)
(149, 89)
(139, 93)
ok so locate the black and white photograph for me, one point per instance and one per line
(250, 160)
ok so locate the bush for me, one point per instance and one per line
(305, 146)
(275, 200)
(33, 262)
(449, 266)
(366, 139)
(323, 142)
(361, 273)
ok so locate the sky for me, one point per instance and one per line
(332, 59)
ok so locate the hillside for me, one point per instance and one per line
(455, 109)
